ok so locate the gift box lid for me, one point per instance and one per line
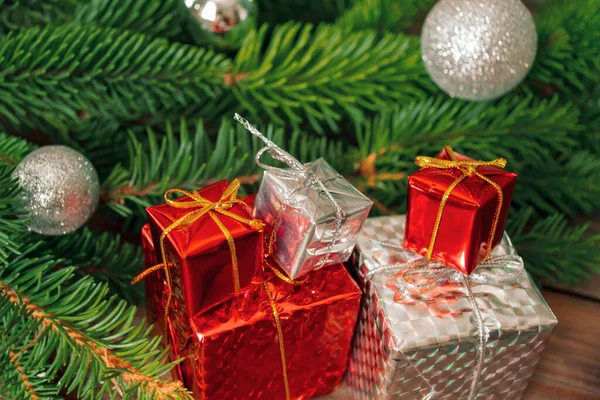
(471, 193)
(441, 314)
(182, 239)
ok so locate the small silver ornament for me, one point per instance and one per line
(60, 189)
(223, 23)
(478, 49)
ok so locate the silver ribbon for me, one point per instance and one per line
(496, 270)
(307, 178)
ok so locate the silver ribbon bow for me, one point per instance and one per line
(308, 180)
(496, 270)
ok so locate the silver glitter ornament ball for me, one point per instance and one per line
(478, 49)
(60, 189)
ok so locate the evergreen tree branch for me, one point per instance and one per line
(196, 158)
(90, 342)
(554, 251)
(154, 17)
(280, 11)
(568, 184)
(323, 74)
(568, 56)
(521, 129)
(24, 378)
(16, 14)
(20, 374)
(10, 225)
(100, 72)
(102, 255)
(382, 15)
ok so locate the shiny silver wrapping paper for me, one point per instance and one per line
(308, 220)
(426, 349)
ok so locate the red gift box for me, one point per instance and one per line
(156, 294)
(467, 218)
(199, 248)
(237, 350)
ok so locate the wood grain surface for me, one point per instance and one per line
(570, 366)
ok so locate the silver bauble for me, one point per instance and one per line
(219, 16)
(60, 189)
(478, 49)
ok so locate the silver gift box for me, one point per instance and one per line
(308, 221)
(426, 347)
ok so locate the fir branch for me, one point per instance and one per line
(525, 131)
(102, 72)
(16, 14)
(382, 15)
(280, 11)
(10, 225)
(102, 255)
(554, 251)
(20, 374)
(568, 184)
(89, 341)
(13, 149)
(536, 137)
(196, 158)
(155, 17)
(568, 56)
(323, 74)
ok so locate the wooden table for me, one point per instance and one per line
(570, 366)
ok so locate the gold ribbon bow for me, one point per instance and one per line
(202, 207)
(468, 168)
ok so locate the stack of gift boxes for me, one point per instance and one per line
(252, 296)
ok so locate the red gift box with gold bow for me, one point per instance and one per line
(278, 339)
(209, 240)
(456, 208)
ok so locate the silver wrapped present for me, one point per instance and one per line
(314, 212)
(426, 331)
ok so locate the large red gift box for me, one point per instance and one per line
(234, 351)
(467, 218)
(200, 252)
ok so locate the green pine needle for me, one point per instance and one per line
(323, 74)
(88, 343)
(553, 250)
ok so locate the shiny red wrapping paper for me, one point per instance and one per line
(156, 295)
(467, 218)
(201, 252)
(234, 351)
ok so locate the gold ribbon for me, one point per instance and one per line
(468, 168)
(203, 207)
(222, 206)
(286, 382)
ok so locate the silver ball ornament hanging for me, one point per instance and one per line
(222, 23)
(478, 49)
(60, 189)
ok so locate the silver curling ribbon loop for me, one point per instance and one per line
(275, 151)
(279, 154)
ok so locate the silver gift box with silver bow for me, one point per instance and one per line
(314, 213)
(418, 341)
(309, 231)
